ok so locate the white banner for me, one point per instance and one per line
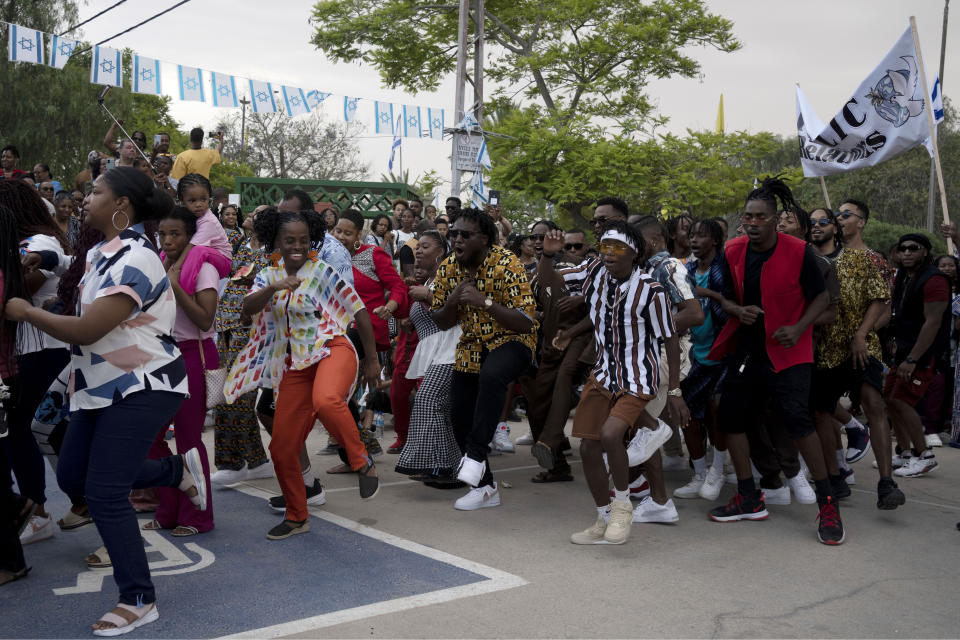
(106, 67)
(436, 120)
(191, 83)
(383, 117)
(25, 45)
(261, 95)
(411, 122)
(295, 101)
(882, 119)
(315, 97)
(350, 108)
(146, 75)
(60, 51)
(224, 90)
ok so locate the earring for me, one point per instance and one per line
(126, 223)
(356, 246)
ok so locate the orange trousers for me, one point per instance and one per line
(320, 393)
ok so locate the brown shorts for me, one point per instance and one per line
(597, 404)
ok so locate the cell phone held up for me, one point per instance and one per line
(494, 198)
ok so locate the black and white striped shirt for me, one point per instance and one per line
(630, 319)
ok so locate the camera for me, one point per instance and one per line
(215, 134)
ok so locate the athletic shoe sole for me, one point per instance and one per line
(891, 501)
(544, 455)
(759, 515)
(191, 459)
(152, 616)
(832, 543)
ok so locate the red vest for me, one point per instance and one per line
(782, 298)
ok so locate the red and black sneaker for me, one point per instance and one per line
(830, 529)
(741, 507)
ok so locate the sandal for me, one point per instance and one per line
(153, 525)
(193, 478)
(544, 455)
(184, 530)
(99, 559)
(73, 520)
(7, 576)
(552, 476)
(369, 485)
(124, 618)
(340, 468)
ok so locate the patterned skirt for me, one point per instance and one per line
(431, 446)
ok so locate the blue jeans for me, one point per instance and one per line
(104, 456)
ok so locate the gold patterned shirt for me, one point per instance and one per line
(502, 278)
(861, 283)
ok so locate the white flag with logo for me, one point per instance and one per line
(146, 75)
(25, 45)
(261, 95)
(60, 51)
(224, 90)
(350, 108)
(411, 122)
(106, 67)
(315, 97)
(436, 121)
(383, 117)
(191, 83)
(882, 119)
(295, 100)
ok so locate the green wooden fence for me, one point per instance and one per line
(370, 198)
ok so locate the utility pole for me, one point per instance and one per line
(478, 15)
(458, 100)
(243, 131)
(933, 175)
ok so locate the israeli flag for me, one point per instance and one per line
(411, 122)
(60, 51)
(26, 45)
(146, 75)
(106, 67)
(478, 190)
(191, 83)
(295, 100)
(315, 98)
(483, 157)
(383, 117)
(261, 94)
(350, 108)
(436, 121)
(397, 141)
(224, 89)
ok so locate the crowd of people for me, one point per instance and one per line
(141, 306)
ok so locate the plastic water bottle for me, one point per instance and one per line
(378, 424)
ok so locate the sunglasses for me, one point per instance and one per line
(598, 221)
(909, 248)
(821, 222)
(536, 237)
(614, 248)
(847, 214)
(573, 246)
(453, 234)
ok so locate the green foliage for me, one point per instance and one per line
(881, 236)
(222, 175)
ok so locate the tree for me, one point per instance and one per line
(306, 147)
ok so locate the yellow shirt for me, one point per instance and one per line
(502, 278)
(195, 161)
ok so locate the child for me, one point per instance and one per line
(194, 192)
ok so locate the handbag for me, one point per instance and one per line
(214, 380)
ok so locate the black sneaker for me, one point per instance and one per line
(369, 485)
(741, 507)
(889, 496)
(830, 529)
(315, 497)
(288, 528)
(840, 487)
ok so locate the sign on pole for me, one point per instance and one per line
(468, 148)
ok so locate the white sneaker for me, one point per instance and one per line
(898, 460)
(479, 498)
(38, 528)
(914, 468)
(650, 511)
(618, 529)
(526, 438)
(646, 442)
(471, 471)
(675, 463)
(777, 496)
(802, 490)
(260, 472)
(689, 490)
(712, 483)
(593, 535)
(501, 439)
(932, 440)
(804, 469)
(230, 477)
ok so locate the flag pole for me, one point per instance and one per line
(933, 129)
(826, 196)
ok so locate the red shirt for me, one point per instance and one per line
(374, 278)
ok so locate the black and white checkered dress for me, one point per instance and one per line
(431, 447)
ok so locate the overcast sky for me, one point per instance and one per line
(828, 47)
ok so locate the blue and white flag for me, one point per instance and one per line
(26, 45)
(60, 51)
(882, 119)
(483, 157)
(224, 90)
(191, 83)
(295, 100)
(411, 122)
(106, 67)
(435, 118)
(478, 190)
(146, 75)
(383, 117)
(261, 95)
(315, 97)
(397, 141)
(350, 108)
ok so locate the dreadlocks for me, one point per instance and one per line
(773, 190)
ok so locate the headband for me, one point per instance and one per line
(619, 236)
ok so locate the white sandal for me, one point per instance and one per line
(193, 477)
(122, 624)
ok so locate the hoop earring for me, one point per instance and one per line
(113, 220)
(356, 246)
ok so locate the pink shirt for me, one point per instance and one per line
(183, 327)
(211, 234)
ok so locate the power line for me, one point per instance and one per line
(80, 24)
(139, 24)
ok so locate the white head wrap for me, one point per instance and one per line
(619, 236)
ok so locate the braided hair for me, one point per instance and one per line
(193, 179)
(29, 214)
(773, 190)
(483, 221)
(269, 222)
(14, 284)
(713, 229)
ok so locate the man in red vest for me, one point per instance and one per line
(777, 291)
